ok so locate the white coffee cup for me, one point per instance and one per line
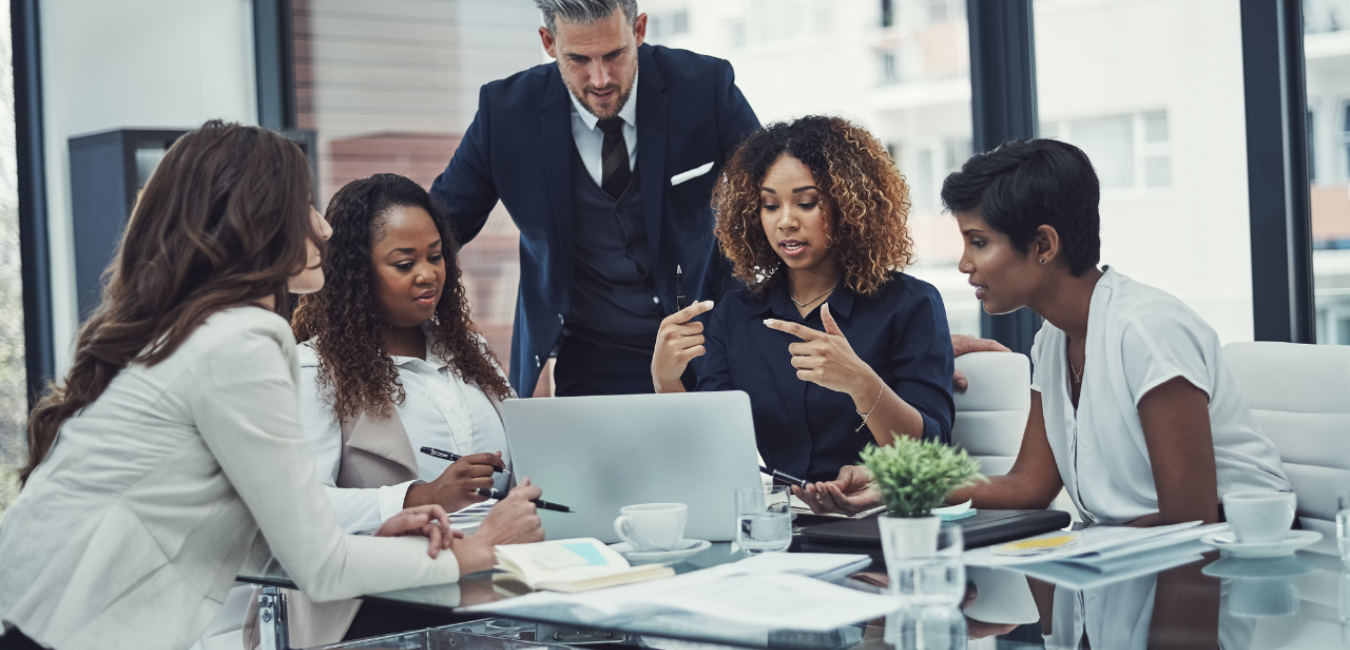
(1260, 517)
(652, 526)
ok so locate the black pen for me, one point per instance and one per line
(679, 288)
(494, 493)
(452, 457)
(786, 478)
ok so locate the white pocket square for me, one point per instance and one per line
(693, 173)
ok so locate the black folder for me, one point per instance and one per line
(985, 528)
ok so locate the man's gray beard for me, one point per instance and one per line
(623, 99)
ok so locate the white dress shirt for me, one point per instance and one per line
(590, 139)
(131, 531)
(1138, 338)
(441, 410)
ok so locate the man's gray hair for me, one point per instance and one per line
(584, 11)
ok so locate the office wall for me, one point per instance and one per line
(132, 63)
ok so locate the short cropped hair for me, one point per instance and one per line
(584, 11)
(1024, 184)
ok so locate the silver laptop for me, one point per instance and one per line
(598, 454)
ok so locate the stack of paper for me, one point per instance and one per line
(1099, 545)
(772, 590)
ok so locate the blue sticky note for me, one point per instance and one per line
(588, 553)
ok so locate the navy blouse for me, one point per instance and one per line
(808, 430)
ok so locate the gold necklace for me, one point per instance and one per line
(1077, 374)
(811, 301)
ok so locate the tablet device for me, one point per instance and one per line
(986, 528)
(597, 454)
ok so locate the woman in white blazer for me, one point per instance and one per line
(179, 445)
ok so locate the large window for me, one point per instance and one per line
(1326, 46)
(392, 86)
(898, 67)
(1152, 91)
(13, 374)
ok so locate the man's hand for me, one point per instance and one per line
(849, 494)
(429, 521)
(827, 359)
(678, 341)
(963, 343)
(514, 520)
(457, 487)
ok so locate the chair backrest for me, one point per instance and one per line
(1300, 395)
(992, 414)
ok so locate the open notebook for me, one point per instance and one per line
(571, 565)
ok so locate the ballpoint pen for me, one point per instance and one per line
(679, 288)
(494, 493)
(452, 457)
(785, 478)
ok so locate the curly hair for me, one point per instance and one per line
(865, 198)
(344, 324)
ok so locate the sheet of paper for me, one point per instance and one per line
(777, 600)
(1093, 540)
(815, 565)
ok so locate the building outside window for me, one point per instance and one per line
(1326, 47)
(13, 372)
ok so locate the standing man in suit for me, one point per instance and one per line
(606, 162)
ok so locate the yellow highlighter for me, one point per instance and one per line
(1036, 545)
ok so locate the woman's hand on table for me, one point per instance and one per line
(826, 358)
(514, 520)
(678, 341)
(852, 492)
(457, 487)
(429, 521)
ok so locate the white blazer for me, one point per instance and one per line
(132, 530)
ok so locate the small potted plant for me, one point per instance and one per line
(914, 477)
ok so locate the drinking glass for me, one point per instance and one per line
(763, 518)
(936, 579)
(1343, 524)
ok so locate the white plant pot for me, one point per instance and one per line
(907, 538)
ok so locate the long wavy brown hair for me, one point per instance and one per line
(866, 201)
(343, 321)
(223, 221)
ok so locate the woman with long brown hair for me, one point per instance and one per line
(173, 441)
(835, 344)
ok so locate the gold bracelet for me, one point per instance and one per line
(869, 411)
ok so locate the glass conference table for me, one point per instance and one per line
(1186, 599)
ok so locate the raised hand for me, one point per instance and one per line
(827, 359)
(679, 341)
(456, 487)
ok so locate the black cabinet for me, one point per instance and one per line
(107, 172)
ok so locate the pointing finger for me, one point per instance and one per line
(827, 319)
(800, 331)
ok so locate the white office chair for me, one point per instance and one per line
(992, 414)
(1301, 397)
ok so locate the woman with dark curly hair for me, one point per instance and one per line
(812, 214)
(390, 361)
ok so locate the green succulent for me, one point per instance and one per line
(915, 476)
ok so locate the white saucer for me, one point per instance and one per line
(1293, 541)
(687, 548)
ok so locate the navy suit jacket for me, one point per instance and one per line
(519, 149)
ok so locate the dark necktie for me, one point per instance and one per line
(614, 171)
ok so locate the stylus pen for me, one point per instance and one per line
(786, 478)
(445, 455)
(679, 288)
(494, 493)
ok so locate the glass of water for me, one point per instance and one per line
(935, 577)
(764, 518)
(1343, 524)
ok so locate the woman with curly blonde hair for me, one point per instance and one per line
(836, 346)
